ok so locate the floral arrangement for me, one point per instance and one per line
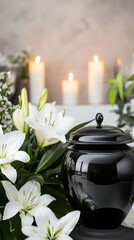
(31, 151)
(121, 93)
(19, 59)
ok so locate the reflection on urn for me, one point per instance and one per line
(98, 176)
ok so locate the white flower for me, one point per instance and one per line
(26, 201)
(19, 114)
(9, 146)
(129, 220)
(18, 120)
(49, 126)
(49, 227)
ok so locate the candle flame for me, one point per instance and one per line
(37, 59)
(70, 77)
(96, 59)
(119, 62)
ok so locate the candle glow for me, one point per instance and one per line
(37, 59)
(70, 78)
(96, 59)
(119, 62)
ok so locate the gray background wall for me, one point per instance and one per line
(66, 33)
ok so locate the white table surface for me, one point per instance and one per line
(83, 113)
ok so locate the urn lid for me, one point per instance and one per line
(100, 135)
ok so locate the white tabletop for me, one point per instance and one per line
(83, 113)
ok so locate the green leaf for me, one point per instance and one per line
(112, 94)
(61, 206)
(120, 75)
(38, 178)
(52, 181)
(51, 172)
(129, 90)
(51, 156)
(131, 77)
(78, 127)
(120, 87)
(111, 81)
(119, 78)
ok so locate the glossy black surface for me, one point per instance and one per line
(106, 135)
(100, 135)
(99, 119)
(121, 233)
(99, 180)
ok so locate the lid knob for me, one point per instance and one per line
(99, 119)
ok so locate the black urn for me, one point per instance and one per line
(98, 174)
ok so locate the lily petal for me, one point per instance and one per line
(13, 141)
(9, 172)
(63, 236)
(21, 156)
(68, 222)
(11, 191)
(11, 209)
(44, 135)
(26, 219)
(47, 111)
(63, 126)
(60, 138)
(43, 216)
(33, 118)
(43, 201)
(32, 189)
(30, 230)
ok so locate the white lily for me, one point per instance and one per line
(49, 125)
(19, 114)
(9, 146)
(50, 228)
(26, 201)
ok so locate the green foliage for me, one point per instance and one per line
(112, 93)
(121, 95)
(51, 155)
(116, 87)
(129, 90)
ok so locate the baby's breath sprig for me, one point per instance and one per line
(6, 107)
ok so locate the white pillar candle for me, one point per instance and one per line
(95, 81)
(70, 89)
(37, 79)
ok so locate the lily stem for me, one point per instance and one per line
(35, 157)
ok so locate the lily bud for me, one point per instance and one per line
(19, 114)
(20, 101)
(63, 112)
(18, 120)
(24, 99)
(43, 99)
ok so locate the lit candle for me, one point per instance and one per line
(37, 79)
(95, 81)
(70, 89)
